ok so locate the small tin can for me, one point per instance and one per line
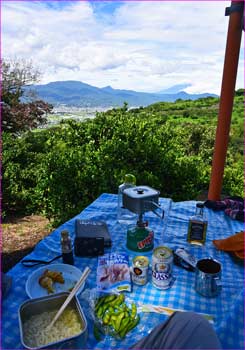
(140, 270)
(162, 264)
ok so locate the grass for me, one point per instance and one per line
(19, 237)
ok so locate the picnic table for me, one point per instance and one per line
(226, 308)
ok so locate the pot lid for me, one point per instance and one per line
(141, 192)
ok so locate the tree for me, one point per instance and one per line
(240, 92)
(18, 116)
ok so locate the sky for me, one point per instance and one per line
(145, 46)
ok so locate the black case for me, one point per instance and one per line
(88, 246)
(91, 237)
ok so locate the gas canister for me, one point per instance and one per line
(140, 238)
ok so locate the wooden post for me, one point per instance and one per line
(226, 102)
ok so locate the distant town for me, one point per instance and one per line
(64, 112)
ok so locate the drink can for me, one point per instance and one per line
(162, 265)
(140, 270)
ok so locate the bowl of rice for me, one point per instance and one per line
(70, 330)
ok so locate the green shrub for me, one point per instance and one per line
(59, 171)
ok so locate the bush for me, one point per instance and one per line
(59, 171)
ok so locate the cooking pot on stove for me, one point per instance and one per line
(140, 199)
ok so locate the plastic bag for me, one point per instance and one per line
(104, 334)
(113, 314)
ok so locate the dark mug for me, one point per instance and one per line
(208, 277)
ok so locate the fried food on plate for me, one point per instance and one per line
(54, 275)
(47, 283)
(48, 278)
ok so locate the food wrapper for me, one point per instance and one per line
(113, 273)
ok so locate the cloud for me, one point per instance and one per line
(140, 45)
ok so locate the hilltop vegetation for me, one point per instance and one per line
(168, 146)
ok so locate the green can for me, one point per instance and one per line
(140, 238)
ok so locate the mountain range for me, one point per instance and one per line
(79, 94)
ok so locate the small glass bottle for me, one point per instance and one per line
(66, 248)
(197, 226)
(125, 216)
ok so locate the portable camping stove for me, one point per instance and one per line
(140, 199)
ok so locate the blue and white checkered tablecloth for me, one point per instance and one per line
(227, 308)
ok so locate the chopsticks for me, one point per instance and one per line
(71, 295)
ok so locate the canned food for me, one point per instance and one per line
(162, 264)
(140, 270)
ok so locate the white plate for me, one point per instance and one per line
(70, 273)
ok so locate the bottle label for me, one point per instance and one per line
(66, 247)
(197, 231)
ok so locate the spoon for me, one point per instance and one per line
(70, 296)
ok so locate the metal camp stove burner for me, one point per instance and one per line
(139, 200)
